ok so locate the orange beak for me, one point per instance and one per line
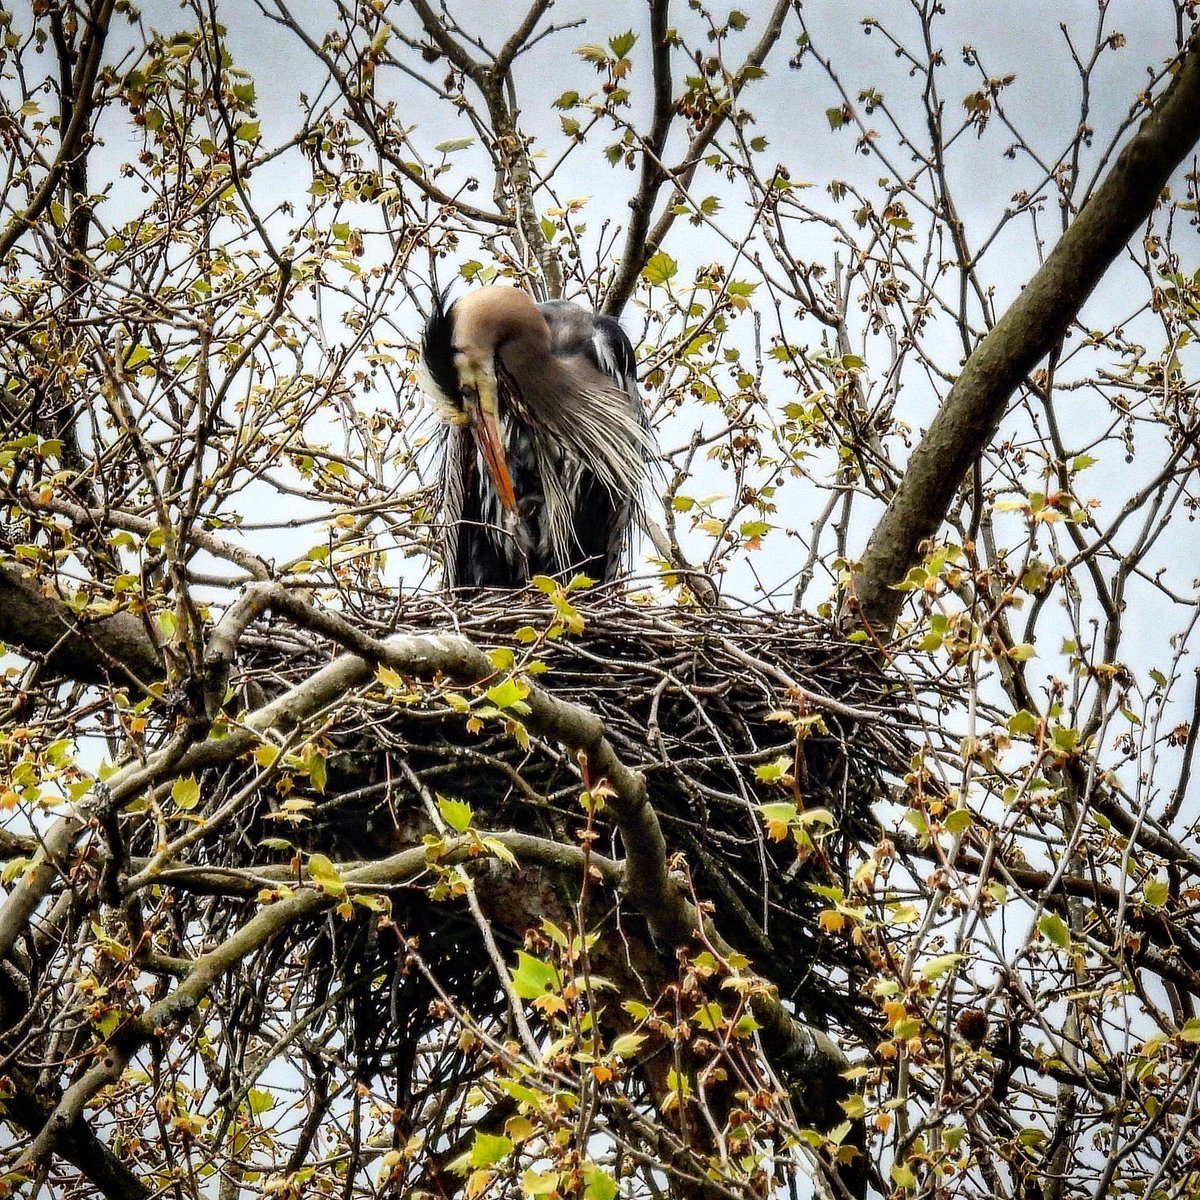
(486, 431)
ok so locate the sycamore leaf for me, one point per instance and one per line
(389, 678)
(599, 1184)
(488, 1148)
(628, 1044)
(934, 968)
(456, 813)
(186, 793)
(659, 269)
(533, 977)
(508, 692)
(1055, 929)
(325, 875)
(501, 851)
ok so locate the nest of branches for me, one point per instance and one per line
(723, 713)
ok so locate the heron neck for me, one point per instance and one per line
(545, 383)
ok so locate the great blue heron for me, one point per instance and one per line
(546, 443)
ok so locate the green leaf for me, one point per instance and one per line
(599, 1185)
(739, 287)
(1035, 576)
(1155, 892)
(266, 754)
(456, 813)
(325, 875)
(502, 658)
(1022, 723)
(107, 1023)
(453, 145)
(13, 868)
(783, 811)
(533, 978)
(659, 269)
(622, 43)
(934, 968)
(489, 1148)
(500, 850)
(773, 771)
(816, 816)
(314, 765)
(247, 131)
(1065, 739)
(746, 1025)
(915, 578)
(958, 820)
(1055, 929)
(591, 52)
(186, 793)
(508, 692)
(628, 1044)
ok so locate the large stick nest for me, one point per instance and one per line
(701, 701)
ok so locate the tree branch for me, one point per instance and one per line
(1036, 320)
(89, 650)
(72, 138)
(641, 241)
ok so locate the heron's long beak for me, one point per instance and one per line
(486, 430)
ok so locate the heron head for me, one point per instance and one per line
(485, 323)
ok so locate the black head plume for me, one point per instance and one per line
(438, 349)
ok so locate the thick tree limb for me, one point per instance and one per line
(89, 650)
(1036, 320)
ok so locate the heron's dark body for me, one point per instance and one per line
(574, 509)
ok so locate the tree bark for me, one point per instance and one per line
(89, 650)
